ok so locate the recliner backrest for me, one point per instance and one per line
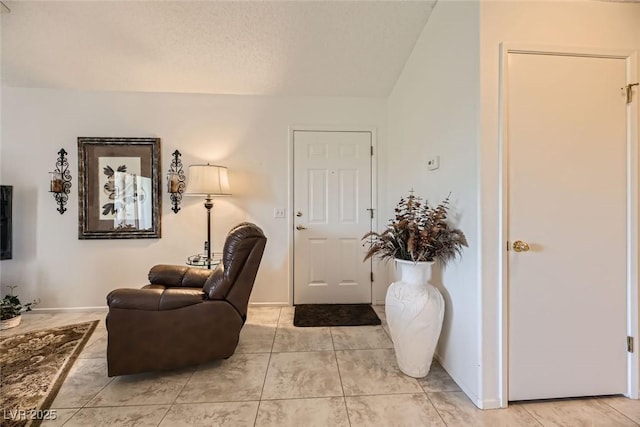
(241, 256)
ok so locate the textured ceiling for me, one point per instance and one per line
(324, 48)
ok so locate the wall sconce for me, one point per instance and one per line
(60, 181)
(175, 181)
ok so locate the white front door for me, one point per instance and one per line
(567, 199)
(332, 202)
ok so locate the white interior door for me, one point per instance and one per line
(567, 181)
(332, 202)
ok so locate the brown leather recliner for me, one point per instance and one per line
(187, 315)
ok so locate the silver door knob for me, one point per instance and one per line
(300, 227)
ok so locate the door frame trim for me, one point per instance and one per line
(631, 58)
(374, 187)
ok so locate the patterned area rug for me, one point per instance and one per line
(335, 315)
(33, 366)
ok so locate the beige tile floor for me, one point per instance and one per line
(287, 376)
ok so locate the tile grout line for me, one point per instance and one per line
(539, 421)
(115, 406)
(165, 415)
(529, 409)
(424, 391)
(264, 381)
(178, 395)
(383, 328)
(96, 394)
(331, 396)
(436, 408)
(144, 405)
(344, 397)
(72, 415)
(621, 413)
(84, 406)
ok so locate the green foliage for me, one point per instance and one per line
(418, 233)
(10, 305)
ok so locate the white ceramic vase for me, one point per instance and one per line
(414, 311)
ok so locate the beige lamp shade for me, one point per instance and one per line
(207, 180)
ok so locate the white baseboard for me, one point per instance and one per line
(488, 404)
(480, 403)
(286, 304)
(632, 396)
(70, 309)
(105, 308)
(269, 304)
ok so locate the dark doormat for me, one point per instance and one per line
(335, 315)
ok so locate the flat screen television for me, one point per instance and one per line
(6, 229)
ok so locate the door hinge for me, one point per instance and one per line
(630, 344)
(629, 91)
(372, 276)
(372, 150)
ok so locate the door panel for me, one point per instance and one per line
(332, 195)
(567, 199)
(348, 204)
(318, 196)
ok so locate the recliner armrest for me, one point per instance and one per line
(178, 276)
(154, 299)
(177, 298)
(135, 299)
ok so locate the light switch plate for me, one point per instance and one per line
(279, 212)
(433, 163)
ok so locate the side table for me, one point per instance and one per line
(201, 261)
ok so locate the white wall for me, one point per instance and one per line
(433, 110)
(591, 24)
(247, 134)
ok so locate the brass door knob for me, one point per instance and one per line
(300, 227)
(520, 246)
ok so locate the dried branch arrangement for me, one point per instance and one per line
(418, 233)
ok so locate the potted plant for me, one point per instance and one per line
(11, 309)
(418, 236)
(418, 233)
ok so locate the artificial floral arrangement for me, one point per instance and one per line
(418, 233)
(10, 305)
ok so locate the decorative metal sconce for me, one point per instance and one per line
(60, 181)
(175, 181)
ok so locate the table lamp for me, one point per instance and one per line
(208, 181)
